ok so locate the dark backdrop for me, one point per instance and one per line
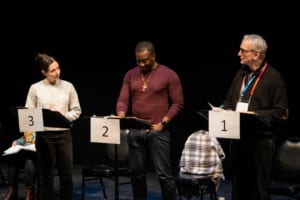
(95, 47)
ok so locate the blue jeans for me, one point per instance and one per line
(157, 145)
(55, 150)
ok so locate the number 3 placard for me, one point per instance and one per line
(105, 130)
(224, 124)
(30, 119)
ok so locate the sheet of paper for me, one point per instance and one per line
(215, 108)
(17, 148)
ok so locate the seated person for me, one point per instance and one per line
(202, 155)
(22, 160)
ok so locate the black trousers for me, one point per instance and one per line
(252, 165)
(55, 150)
(25, 160)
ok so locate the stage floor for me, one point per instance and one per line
(93, 189)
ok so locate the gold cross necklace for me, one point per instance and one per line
(145, 82)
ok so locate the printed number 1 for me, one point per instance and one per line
(224, 125)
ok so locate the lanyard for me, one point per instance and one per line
(244, 88)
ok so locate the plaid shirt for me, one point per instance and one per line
(202, 155)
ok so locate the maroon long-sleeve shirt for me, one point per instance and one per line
(162, 97)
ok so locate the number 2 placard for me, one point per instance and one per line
(105, 130)
(224, 124)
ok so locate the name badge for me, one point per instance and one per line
(242, 107)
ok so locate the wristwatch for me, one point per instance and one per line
(163, 123)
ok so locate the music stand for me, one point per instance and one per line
(132, 122)
(55, 119)
(50, 118)
(246, 125)
(249, 122)
(126, 123)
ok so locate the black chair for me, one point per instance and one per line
(2, 178)
(191, 185)
(286, 168)
(115, 167)
(196, 183)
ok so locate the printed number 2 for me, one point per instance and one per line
(104, 134)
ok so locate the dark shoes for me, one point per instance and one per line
(29, 194)
(12, 194)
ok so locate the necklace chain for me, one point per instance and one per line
(145, 82)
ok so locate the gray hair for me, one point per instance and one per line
(257, 42)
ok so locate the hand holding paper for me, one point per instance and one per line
(213, 108)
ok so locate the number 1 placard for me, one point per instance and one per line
(105, 130)
(30, 119)
(224, 124)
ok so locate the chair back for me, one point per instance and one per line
(200, 166)
(119, 152)
(202, 155)
(286, 160)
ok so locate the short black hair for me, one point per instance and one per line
(145, 45)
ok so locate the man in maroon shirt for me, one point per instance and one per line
(154, 93)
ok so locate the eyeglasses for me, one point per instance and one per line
(245, 51)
